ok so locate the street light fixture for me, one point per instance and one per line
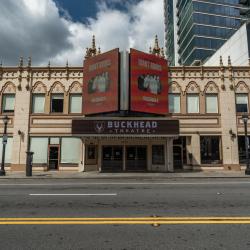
(245, 120)
(5, 138)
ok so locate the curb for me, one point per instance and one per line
(123, 178)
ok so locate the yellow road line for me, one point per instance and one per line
(120, 222)
(122, 218)
(125, 221)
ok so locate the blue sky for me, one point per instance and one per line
(79, 10)
(60, 30)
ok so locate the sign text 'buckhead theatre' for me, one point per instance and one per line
(125, 127)
(148, 83)
(100, 83)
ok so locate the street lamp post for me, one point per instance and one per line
(5, 121)
(245, 120)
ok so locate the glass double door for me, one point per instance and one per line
(112, 158)
(136, 158)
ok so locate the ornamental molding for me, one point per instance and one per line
(192, 87)
(174, 87)
(8, 87)
(241, 87)
(211, 87)
(39, 87)
(75, 87)
(57, 87)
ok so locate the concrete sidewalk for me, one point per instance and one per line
(126, 175)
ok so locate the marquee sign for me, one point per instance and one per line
(100, 86)
(125, 127)
(148, 83)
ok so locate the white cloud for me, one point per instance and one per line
(26, 31)
(149, 21)
(36, 29)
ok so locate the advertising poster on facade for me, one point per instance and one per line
(148, 83)
(100, 83)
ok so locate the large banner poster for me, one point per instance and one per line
(148, 83)
(100, 83)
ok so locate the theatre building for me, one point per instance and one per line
(124, 111)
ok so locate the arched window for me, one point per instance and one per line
(75, 98)
(8, 98)
(193, 98)
(57, 98)
(211, 98)
(174, 98)
(38, 98)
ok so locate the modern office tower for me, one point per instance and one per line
(196, 29)
(235, 50)
(170, 30)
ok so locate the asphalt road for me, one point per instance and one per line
(68, 208)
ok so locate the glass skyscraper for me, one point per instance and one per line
(195, 29)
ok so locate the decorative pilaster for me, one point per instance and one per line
(67, 70)
(29, 74)
(20, 72)
(222, 77)
(230, 68)
(49, 71)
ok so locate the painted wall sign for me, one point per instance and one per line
(148, 83)
(100, 83)
(125, 127)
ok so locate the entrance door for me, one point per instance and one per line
(53, 157)
(136, 158)
(177, 152)
(112, 158)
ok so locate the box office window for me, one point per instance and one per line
(91, 152)
(211, 104)
(193, 105)
(39, 145)
(75, 105)
(174, 103)
(8, 149)
(57, 103)
(70, 150)
(38, 103)
(158, 154)
(241, 102)
(8, 103)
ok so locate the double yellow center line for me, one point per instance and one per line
(155, 221)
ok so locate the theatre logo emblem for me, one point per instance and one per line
(99, 127)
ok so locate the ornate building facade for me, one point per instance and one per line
(41, 103)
